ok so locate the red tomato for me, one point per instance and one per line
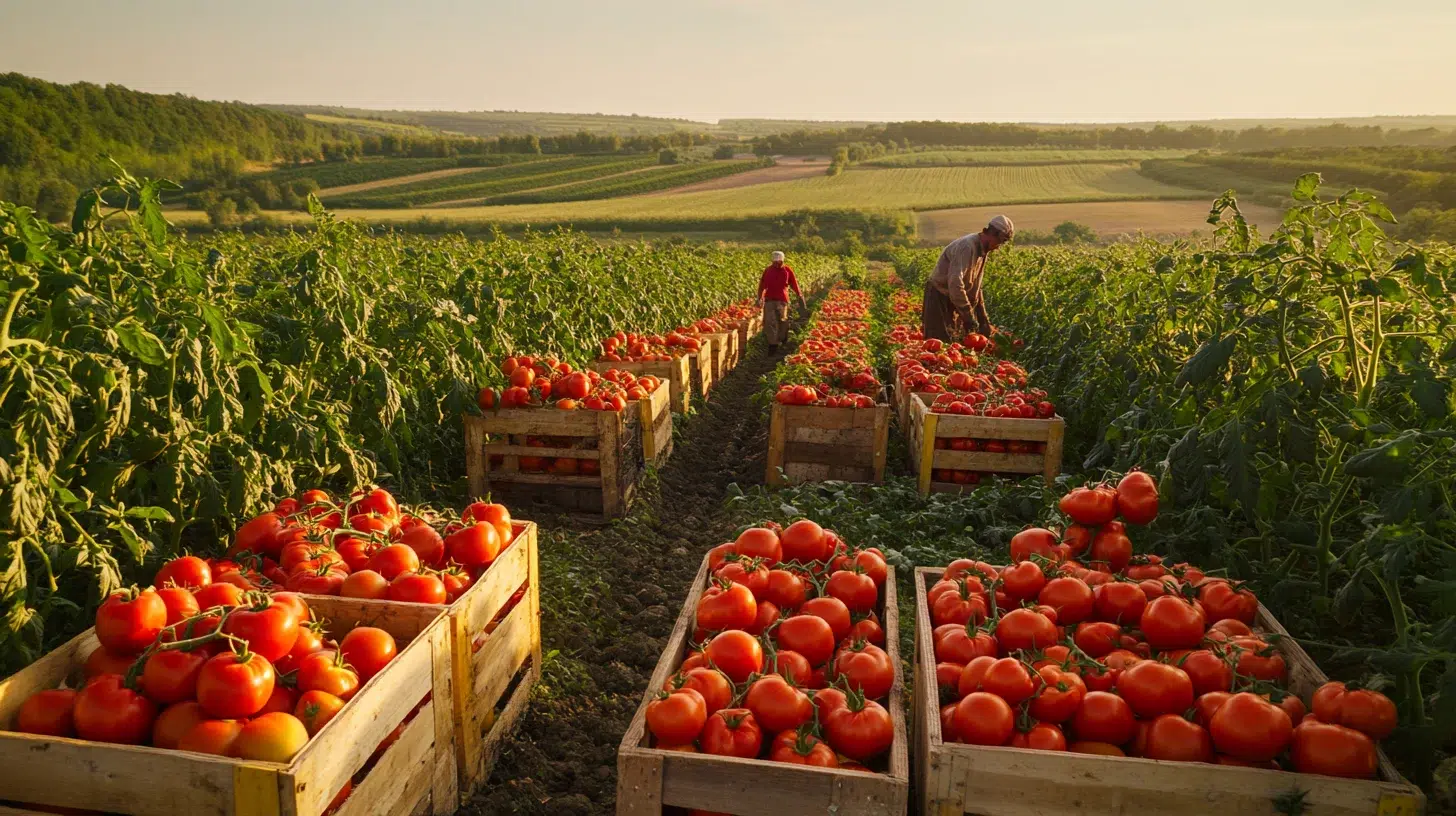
(395, 559)
(1104, 717)
(732, 732)
(1153, 689)
(1040, 737)
(1098, 638)
(328, 671)
(367, 650)
(1251, 728)
(365, 584)
(1025, 629)
(797, 748)
(170, 675)
(128, 621)
(713, 685)
(232, 686)
(473, 546)
(175, 721)
(726, 605)
(426, 542)
(1120, 603)
(1171, 737)
(833, 611)
(777, 705)
(268, 627)
(983, 719)
(678, 717)
(1222, 601)
(1059, 696)
(379, 502)
(1366, 711)
(211, 737)
(865, 668)
(1091, 507)
(180, 603)
(1137, 498)
(1170, 622)
(1334, 750)
(187, 572)
(1033, 541)
(48, 712)
(1023, 581)
(272, 737)
(496, 515)
(809, 635)
(856, 589)
(785, 589)
(738, 654)
(1071, 597)
(1208, 670)
(105, 710)
(1111, 546)
(759, 542)
(416, 587)
(261, 534)
(804, 541)
(861, 730)
(315, 708)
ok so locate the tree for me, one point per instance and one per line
(222, 213)
(667, 156)
(56, 199)
(1070, 232)
(726, 151)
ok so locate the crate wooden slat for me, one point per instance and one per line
(922, 427)
(725, 352)
(812, 443)
(648, 780)
(613, 445)
(702, 366)
(677, 373)
(747, 329)
(416, 774)
(953, 778)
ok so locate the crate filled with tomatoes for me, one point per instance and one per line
(1081, 678)
(672, 358)
(194, 699)
(744, 318)
(969, 416)
(478, 568)
(828, 421)
(578, 440)
(779, 692)
(723, 341)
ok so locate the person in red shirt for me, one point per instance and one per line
(773, 296)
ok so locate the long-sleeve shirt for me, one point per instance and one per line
(958, 275)
(776, 281)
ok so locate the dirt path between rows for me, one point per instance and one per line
(395, 181)
(610, 596)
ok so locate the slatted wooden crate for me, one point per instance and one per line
(677, 373)
(414, 775)
(923, 428)
(812, 443)
(725, 352)
(747, 329)
(617, 445)
(954, 779)
(649, 780)
(703, 367)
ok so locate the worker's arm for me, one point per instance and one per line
(978, 307)
(794, 284)
(962, 261)
(762, 282)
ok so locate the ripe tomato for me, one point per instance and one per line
(873, 564)
(1258, 659)
(964, 603)
(379, 502)
(395, 559)
(1208, 671)
(1334, 750)
(833, 611)
(180, 603)
(128, 621)
(960, 644)
(48, 712)
(1366, 711)
(367, 650)
(365, 584)
(759, 542)
(1033, 541)
(732, 732)
(1111, 546)
(417, 587)
(737, 653)
(861, 730)
(427, 544)
(315, 708)
(175, 721)
(983, 719)
(1022, 581)
(272, 737)
(105, 710)
(1091, 507)
(1137, 498)
(1249, 727)
(677, 717)
(785, 589)
(187, 572)
(211, 737)
(1076, 538)
(268, 627)
(1025, 629)
(1153, 689)
(778, 706)
(496, 515)
(1059, 697)
(866, 668)
(749, 572)
(1171, 737)
(797, 748)
(726, 605)
(765, 615)
(1120, 603)
(856, 589)
(473, 546)
(1040, 737)
(1170, 622)
(327, 671)
(1071, 597)
(232, 686)
(1104, 717)
(170, 675)
(261, 534)
(1223, 601)
(1208, 703)
(1097, 638)
(714, 686)
(809, 635)
(101, 662)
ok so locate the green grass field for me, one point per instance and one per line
(482, 185)
(1212, 179)
(1029, 156)
(373, 126)
(631, 183)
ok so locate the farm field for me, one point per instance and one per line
(1108, 219)
(995, 156)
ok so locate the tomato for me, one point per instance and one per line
(960, 644)
(367, 650)
(175, 721)
(965, 603)
(395, 559)
(1208, 703)
(1033, 541)
(1076, 539)
(1231, 628)
(738, 654)
(261, 534)
(48, 712)
(269, 628)
(426, 542)
(105, 710)
(856, 589)
(973, 673)
(496, 515)
(101, 662)
(1098, 748)
(1025, 629)
(231, 685)
(778, 706)
(1153, 689)
(749, 572)
(170, 675)
(765, 616)
(726, 605)
(379, 502)
(128, 621)
(315, 708)
(1071, 597)
(1009, 679)
(1059, 696)
(366, 584)
(866, 668)
(714, 686)
(732, 732)
(456, 581)
(1333, 750)
(872, 563)
(1223, 601)
(1111, 546)
(809, 635)
(417, 587)
(187, 572)
(211, 737)
(1366, 711)
(759, 542)
(785, 589)
(1137, 498)
(1170, 622)
(272, 737)
(961, 566)
(861, 730)
(180, 603)
(797, 748)
(1040, 737)
(1097, 638)
(677, 717)
(983, 719)
(1249, 727)
(1104, 717)
(1023, 581)
(833, 611)
(1259, 660)
(1091, 507)
(328, 671)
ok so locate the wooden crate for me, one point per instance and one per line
(677, 373)
(725, 352)
(954, 778)
(621, 443)
(747, 329)
(416, 774)
(649, 780)
(923, 427)
(703, 367)
(812, 443)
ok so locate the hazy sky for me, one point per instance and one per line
(1046, 60)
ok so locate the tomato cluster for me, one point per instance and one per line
(538, 383)
(366, 547)
(836, 353)
(787, 661)
(200, 665)
(637, 348)
(846, 304)
(743, 310)
(1078, 645)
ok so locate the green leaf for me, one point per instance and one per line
(141, 343)
(134, 543)
(1433, 396)
(1388, 460)
(1306, 186)
(1210, 359)
(148, 513)
(222, 335)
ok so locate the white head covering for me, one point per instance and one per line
(1003, 225)
(777, 256)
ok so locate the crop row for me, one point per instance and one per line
(493, 181)
(646, 181)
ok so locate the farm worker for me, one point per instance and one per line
(773, 296)
(954, 303)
